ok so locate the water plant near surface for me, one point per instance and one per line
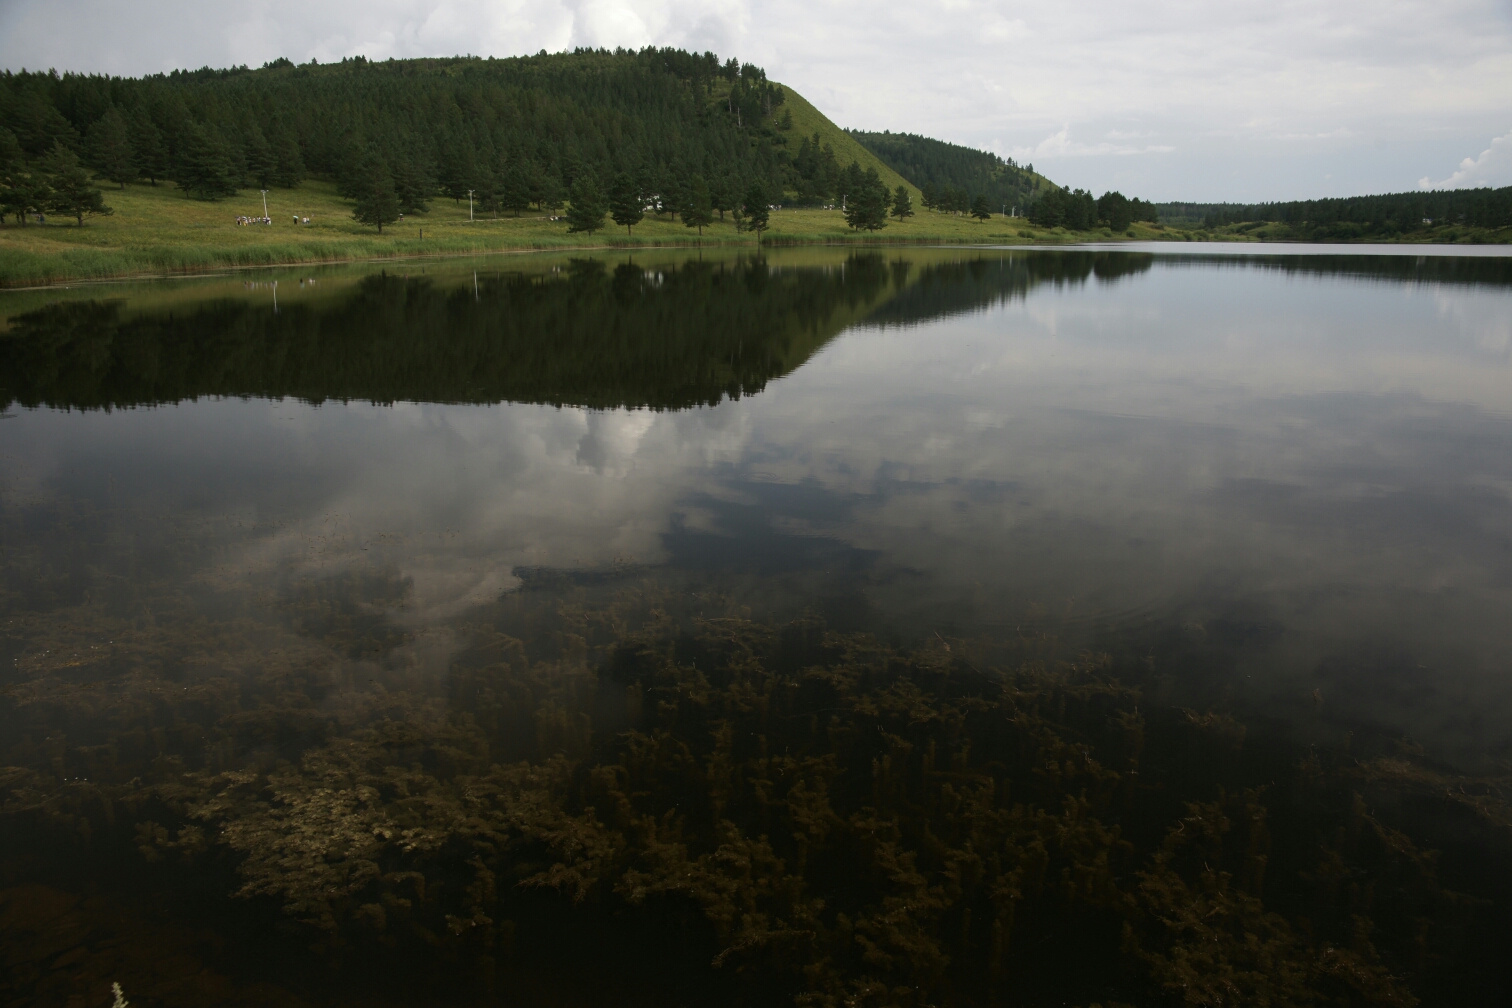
(816, 817)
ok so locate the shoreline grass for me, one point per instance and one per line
(160, 231)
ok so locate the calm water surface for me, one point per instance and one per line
(1273, 489)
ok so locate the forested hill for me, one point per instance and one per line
(514, 131)
(1358, 216)
(935, 165)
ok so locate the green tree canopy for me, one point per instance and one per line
(979, 208)
(625, 202)
(413, 183)
(290, 170)
(261, 162)
(724, 192)
(902, 205)
(586, 211)
(70, 189)
(698, 205)
(514, 187)
(757, 213)
(148, 147)
(110, 148)
(204, 164)
(866, 205)
(376, 203)
(1116, 210)
(22, 190)
(547, 192)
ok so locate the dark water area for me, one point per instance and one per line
(831, 627)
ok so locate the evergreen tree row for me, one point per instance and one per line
(1353, 216)
(1076, 210)
(56, 183)
(511, 133)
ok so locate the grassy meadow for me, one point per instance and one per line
(158, 230)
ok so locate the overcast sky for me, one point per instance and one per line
(1240, 100)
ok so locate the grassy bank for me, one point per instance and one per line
(159, 230)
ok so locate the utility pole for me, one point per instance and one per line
(265, 205)
(469, 204)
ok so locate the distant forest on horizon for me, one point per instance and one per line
(1359, 216)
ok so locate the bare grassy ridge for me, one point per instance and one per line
(160, 230)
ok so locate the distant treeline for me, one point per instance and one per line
(957, 179)
(1354, 216)
(936, 166)
(436, 126)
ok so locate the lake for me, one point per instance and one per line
(877, 627)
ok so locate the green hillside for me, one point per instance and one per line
(930, 162)
(808, 120)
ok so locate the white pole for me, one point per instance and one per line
(469, 204)
(265, 203)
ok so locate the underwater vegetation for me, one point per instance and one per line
(783, 813)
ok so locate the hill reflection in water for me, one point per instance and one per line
(918, 627)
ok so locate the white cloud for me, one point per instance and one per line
(1060, 144)
(1492, 168)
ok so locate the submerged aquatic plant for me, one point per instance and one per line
(810, 817)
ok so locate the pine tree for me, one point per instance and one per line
(757, 214)
(866, 206)
(486, 189)
(645, 185)
(586, 213)
(110, 148)
(147, 144)
(851, 182)
(21, 190)
(291, 167)
(902, 206)
(457, 170)
(979, 208)
(413, 185)
(514, 187)
(262, 165)
(625, 202)
(670, 192)
(204, 169)
(698, 210)
(547, 192)
(724, 193)
(71, 191)
(376, 202)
